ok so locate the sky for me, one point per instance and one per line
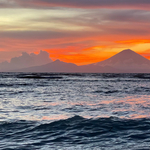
(76, 31)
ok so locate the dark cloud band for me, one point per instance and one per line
(76, 3)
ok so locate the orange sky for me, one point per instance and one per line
(80, 32)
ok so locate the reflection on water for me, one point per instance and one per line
(55, 117)
(128, 107)
(89, 96)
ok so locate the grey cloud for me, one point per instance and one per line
(26, 60)
(130, 16)
(77, 3)
(126, 31)
(32, 34)
(42, 35)
(5, 55)
(96, 3)
(98, 18)
(8, 3)
(65, 36)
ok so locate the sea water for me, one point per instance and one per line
(63, 111)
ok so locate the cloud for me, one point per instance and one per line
(26, 60)
(139, 41)
(129, 16)
(7, 3)
(144, 4)
(32, 34)
(92, 23)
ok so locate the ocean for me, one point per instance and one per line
(63, 111)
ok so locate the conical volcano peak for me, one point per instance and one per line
(126, 59)
(127, 54)
(127, 51)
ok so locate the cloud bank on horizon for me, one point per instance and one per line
(26, 60)
(80, 31)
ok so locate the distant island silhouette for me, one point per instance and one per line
(127, 61)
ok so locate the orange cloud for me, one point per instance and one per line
(79, 59)
(146, 54)
(82, 56)
(134, 42)
(74, 48)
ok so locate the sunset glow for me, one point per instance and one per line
(80, 32)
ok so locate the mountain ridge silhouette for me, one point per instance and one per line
(125, 56)
(126, 61)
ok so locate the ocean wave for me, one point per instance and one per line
(75, 130)
(81, 122)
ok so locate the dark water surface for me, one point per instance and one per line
(74, 111)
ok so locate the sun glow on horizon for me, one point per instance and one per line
(79, 35)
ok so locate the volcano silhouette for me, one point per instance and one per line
(127, 61)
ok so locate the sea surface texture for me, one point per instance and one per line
(43, 111)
